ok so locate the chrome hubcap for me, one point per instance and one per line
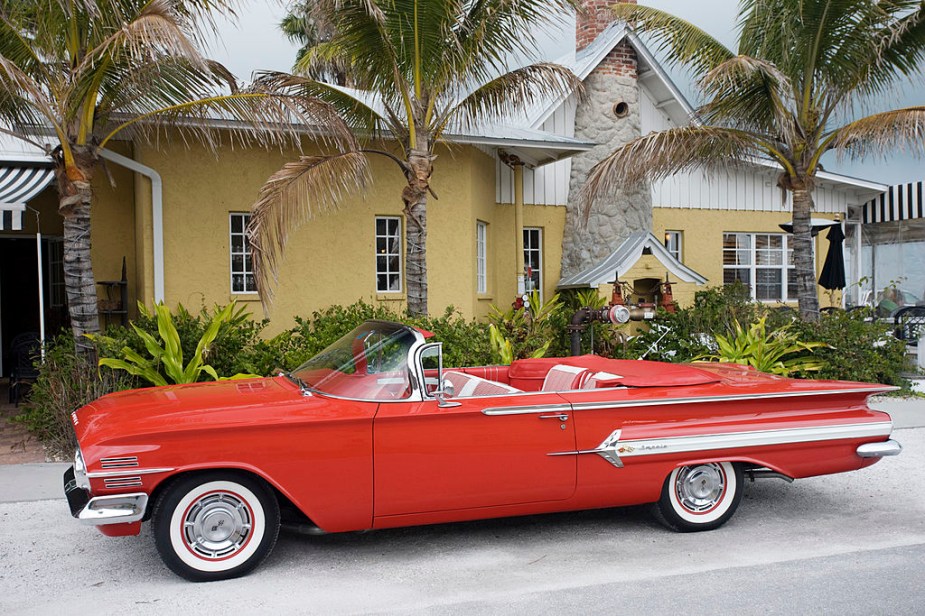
(217, 525)
(700, 488)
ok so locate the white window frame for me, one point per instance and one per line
(753, 266)
(250, 284)
(481, 256)
(674, 243)
(57, 294)
(529, 247)
(391, 250)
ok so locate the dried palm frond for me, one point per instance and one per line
(901, 129)
(292, 196)
(521, 87)
(658, 155)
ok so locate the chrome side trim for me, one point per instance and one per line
(614, 450)
(591, 406)
(527, 410)
(116, 509)
(124, 462)
(879, 450)
(134, 471)
(122, 482)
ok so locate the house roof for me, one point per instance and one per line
(624, 258)
(668, 96)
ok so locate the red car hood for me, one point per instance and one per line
(187, 407)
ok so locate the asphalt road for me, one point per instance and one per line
(846, 544)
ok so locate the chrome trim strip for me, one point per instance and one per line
(590, 406)
(879, 450)
(123, 462)
(132, 472)
(614, 450)
(527, 410)
(123, 482)
(116, 509)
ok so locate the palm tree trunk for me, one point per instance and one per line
(420, 167)
(804, 263)
(75, 196)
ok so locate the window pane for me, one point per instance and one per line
(394, 282)
(237, 224)
(237, 283)
(769, 257)
(768, 284)
(381, 226)
(250, 282)
(733, 275)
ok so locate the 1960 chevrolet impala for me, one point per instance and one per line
(375, 433)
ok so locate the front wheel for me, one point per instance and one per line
(215, 526)
(700, 496)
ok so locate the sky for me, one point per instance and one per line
(254, 42)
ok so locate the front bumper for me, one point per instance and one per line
(879, 450)
(97, 510)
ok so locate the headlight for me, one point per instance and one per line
(80, 470)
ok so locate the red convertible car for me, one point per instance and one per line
(375, 433)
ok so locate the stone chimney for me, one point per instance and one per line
(610, 117)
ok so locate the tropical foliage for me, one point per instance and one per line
(165, 361)
(525, 331)
(422, 69)
(80, 74)
(776, 352)
(801, 68)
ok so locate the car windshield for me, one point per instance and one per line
(369, 363)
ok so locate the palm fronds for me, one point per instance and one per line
(292, 196)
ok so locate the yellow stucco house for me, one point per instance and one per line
(168, 222)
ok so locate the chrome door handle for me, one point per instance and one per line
(559, 416)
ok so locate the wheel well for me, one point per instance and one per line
(288, 511)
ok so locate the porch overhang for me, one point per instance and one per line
(624, 258)
(19, 183)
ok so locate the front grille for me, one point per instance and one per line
(126, 462)
(123, 482)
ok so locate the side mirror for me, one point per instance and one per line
(446, 390)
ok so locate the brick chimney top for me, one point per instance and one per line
(592, 21)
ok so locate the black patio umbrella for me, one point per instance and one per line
(833, 270)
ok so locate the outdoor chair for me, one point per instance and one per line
(24, 349)
(910, 324)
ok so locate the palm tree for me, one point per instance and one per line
(304, 26)
(83, 72)
(802, 69)
(422, 68)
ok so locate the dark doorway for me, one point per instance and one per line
(19, 302)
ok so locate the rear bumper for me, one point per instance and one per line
(97, 510)
(880, 450)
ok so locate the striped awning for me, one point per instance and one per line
(900, 202)
(19, 184)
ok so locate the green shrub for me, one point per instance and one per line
(856, 349)
(466, 343)
(66, 382)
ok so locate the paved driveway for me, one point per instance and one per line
(846, 544)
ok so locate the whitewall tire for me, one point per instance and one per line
(700, 496)
(215, 526)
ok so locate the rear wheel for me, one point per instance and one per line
(215, 526)
(700, 496)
